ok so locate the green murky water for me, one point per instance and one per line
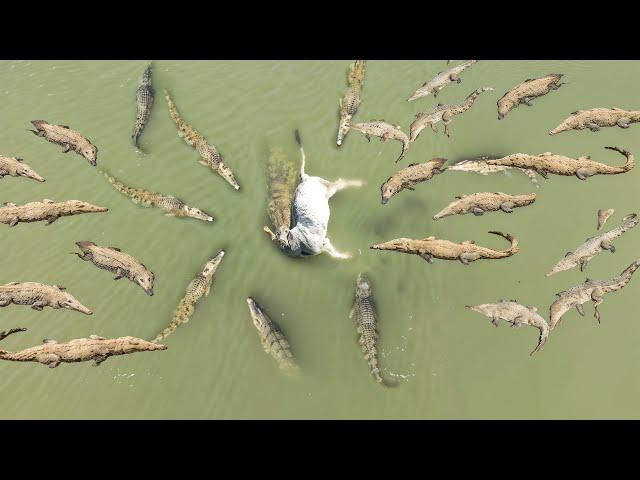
(451, 363)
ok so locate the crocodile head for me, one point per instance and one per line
(69, 301)
(133, 344)
(145, 280)
(26, 171)
(196, 213)
(212, 265)
(260, 319)
(84, 207)
(387, 190)
(505, 105)
(398, 245)
(90, 152)
(363, 286)
(423, 91)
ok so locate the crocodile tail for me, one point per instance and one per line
(514, 242)
(630, 160)
(173, 111)
(405, 149)
(544, 335)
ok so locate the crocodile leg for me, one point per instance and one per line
(477, 211)
(454, 77)
(597, 297)
(467, 257)
(582, 261)
(4, 301)
(580, 309)
(624, 122)
(51, 219)
(544, 174)
(507, 207)
(527, 102)
(594, 127)
(427, 257)
(554, 86)
(584, 173)
(517, 323)
(39, 305)
(13, 222)
(66, 147)
(98, 360)
(433, 127)
(494, 321)
(608, 245)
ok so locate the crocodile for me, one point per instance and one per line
(351, 101)
(118, 262)
(384, 131)
(582, 167)
(595, 118)
(517, 315)
(593, 246)
(367, 325)
(479, 203)
(144, 102)
(444, 114)
(170, 204)
(38, 296)
(526, 91)
(603, 216)
(593, 290)
(16, 167)
(281, 183)
(480, 166)
(441, 80)
(410, 176)
(467, 251)
(48, 210)
(272, 338)
(67, 138)
(211, 158)
(199, 287)
(98, 349)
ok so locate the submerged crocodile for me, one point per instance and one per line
(603, 216)
(596, 118)
(367, 325)
(272, 338)
(526, 91)
(118, 262)
(98, 349)
(170, 204)
(199, 287)
(441, 80)
(16, 167)
(467, 251)
(144, 102)
(480, 166)
(67, 138)
(48, 210)
(281, 183)
(593, 290)
(582, 167)
(385, 131)
(444, 114)
(210, 156)
(593, 246)
(517, 315)
(38, 296)
(351, 101)
(479, 203)
(410, 176)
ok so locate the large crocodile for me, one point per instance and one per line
(444, 114)
(480, 166)
(98, 349)
(210, 156)
(603, 216)
(273, 340)
(595, 118)
(385, 131)
(199, 287)
(48, 210)
(351, 101)
(67, 138)
(118, 262)
(144, 102)
(38, 296)
(479, 203)
(410, 176)
(467, 251)
(593, 290)
(593, 246)
(581, 167)
(526, 91)
(367, 326)
(170, 204)
(441, 80)
(517, 315)
(16, 167)
(281, 183)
